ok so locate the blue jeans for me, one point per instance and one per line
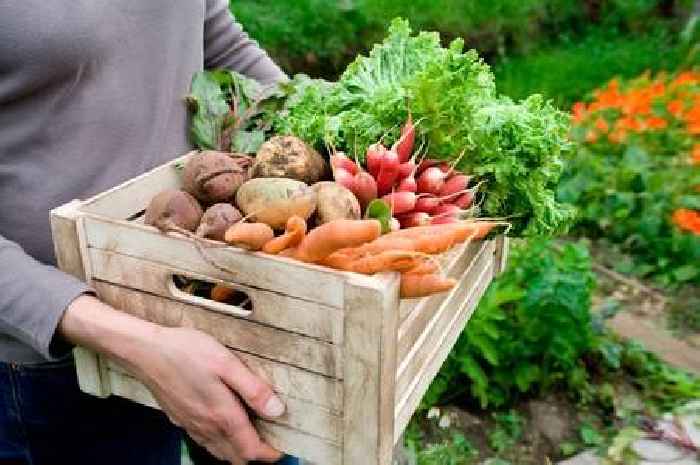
(46, 420)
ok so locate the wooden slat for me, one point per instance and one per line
(289, 348)
(371, 321)
(288, 381)
(270, 308)
(133, 196)
(417, 322)
(289, 439)
(435, 354)
(285, 276)
(453, 263)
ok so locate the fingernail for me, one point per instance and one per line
(274, 407)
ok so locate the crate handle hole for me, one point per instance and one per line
(223, 298)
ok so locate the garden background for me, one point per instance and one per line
(546, 367)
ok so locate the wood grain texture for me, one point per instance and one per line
(269, 308)
(133, 196)
(410, 397)
(371, 323)
(420, 320)
(281, 275)
(65, 237)
(271, 343)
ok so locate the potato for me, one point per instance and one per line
(217, 219)
(214, 177)
(289, 157)
(172, 209)
(274, 200)
(335, 202)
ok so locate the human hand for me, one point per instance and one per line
(196, 381)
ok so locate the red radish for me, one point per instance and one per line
(427, 204)
(447, 169)
(344, 178)
(444, 219)
(408, 185)
(375, 154)
(465, 200)
(431, 180)
(411, 220)
(427, 163)
(401, 202)
(394, 224)
(388, 172)
(406, 169)
(447, 210)
(404, 146)
(340, 160)
(454, 184)
(364, 188)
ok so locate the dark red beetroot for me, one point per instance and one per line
(216, 221)
(173, 210)
(214, 177)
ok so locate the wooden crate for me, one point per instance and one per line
(350, 360)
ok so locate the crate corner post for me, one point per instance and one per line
(369, 378)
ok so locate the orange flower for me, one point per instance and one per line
(675, 107)
(685, 78)
(617, 136)
(591, 136)
(695, 155)
(602, 125)
(578, 112)
(654, 122)
(608, 98)
(687, 220)
(628, 123)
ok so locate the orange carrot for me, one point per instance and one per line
(220, 293)
(422, 285)
(389, 260)
(289, 253)
(293, 234)
(425, 267)
(380, 245)
(252, 236)
(319, 243)
(437, 243)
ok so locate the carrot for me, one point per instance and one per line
(293, 234)
(425, 267)
(380, 245)
(390, 260)
(221, 293)
(339, 234)
(436, 243)
(289, 253)
(422, 285)
(252, 236)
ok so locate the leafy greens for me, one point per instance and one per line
(517, 148)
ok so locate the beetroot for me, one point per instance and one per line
(173, 210)
(217, 219)
(214, 177)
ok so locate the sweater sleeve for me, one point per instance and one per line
(33, 298)
(226, 45)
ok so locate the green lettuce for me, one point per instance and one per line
(517, 148)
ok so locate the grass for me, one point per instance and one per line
(569, 70)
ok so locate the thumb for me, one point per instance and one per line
(252, 389)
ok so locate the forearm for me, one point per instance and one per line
(95, 325)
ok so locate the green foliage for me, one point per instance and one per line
(507, 432)
(457, 451)
(516, 148)
(529, 331)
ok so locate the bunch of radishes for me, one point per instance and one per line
(427, 192)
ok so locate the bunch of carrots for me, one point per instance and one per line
(358, 246)
(419, 192)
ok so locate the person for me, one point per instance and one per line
(91, 94)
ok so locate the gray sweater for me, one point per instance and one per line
(91, 94)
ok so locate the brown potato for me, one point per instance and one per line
(274, 200)
(289, 157)
(335, 202)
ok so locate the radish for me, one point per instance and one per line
(454, 184)
(427, 163)
(427, 204)
(401, 202)
(375, 154)
(404, 146)
(444, 219)
(408, 185)
(447, 210)
(344, 178)
(364, 188)
(465, 200)
(406, 169)
(411, 220)
(431, 180)
(340, 160)
(388, 172)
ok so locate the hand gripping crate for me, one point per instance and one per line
(349, 358)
